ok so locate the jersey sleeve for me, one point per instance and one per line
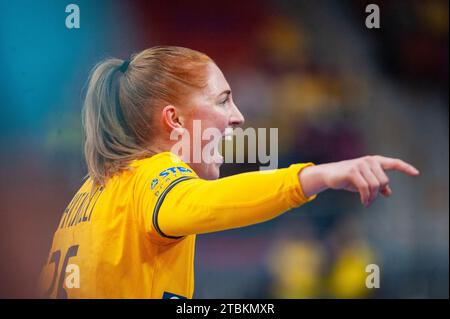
(155, 179)
(196, 206)
(178, 203)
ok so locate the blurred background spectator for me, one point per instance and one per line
(333, 88)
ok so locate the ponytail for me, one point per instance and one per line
(120, 101)
(108, 143)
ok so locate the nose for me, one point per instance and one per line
(236, 117)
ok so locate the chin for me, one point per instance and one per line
(207, 171)
(212, 171)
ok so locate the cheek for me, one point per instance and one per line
(213, 117)
(215, 122)
(209, 115)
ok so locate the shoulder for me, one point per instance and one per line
(160, 170)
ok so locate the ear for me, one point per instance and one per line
(170, 118)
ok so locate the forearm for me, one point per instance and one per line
(199, 206)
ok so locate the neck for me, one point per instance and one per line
(159, 145)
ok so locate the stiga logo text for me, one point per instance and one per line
(169, 173)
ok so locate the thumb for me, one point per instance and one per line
(386, 191)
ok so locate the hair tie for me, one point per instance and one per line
(123, 68)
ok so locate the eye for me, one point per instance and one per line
(223, 102)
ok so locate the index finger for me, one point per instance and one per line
(388, 163)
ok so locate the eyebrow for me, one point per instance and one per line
(227, 92)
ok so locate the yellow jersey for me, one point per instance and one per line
(135, 236)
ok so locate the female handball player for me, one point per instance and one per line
(130, 230)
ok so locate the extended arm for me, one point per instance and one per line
(197, 206)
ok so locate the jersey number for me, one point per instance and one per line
(55, 258)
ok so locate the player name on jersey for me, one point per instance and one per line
(80, 208)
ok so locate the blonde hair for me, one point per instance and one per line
(119, 104)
